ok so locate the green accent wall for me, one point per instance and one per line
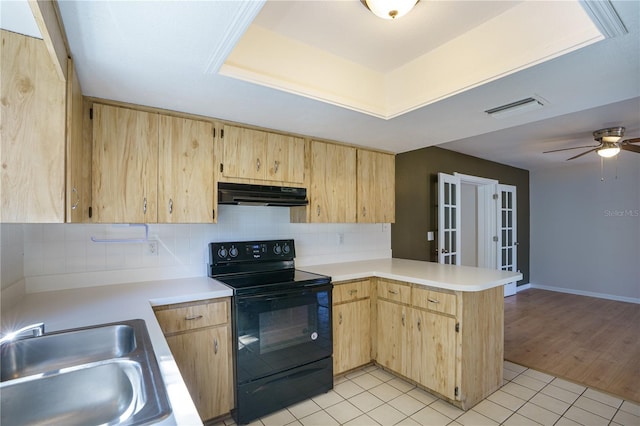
(417, 198)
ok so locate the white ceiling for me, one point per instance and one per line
(165, 54)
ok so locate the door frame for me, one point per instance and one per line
(487, 211)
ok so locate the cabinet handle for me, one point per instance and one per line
(257, 164)
(432, 300)
(393, 291)
(364, 212)
(340, 318)
(419, 323)
(352, 292)
(75, 205)
(170, 206)
(192, 317)
(318, 209)
(403, 319)
(215, 345)
(144, 205)
(276, 164)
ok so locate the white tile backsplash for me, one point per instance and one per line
(63, 256)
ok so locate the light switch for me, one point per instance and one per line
(430, 236)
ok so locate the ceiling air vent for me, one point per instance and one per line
(517, 107)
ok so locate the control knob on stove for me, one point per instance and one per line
(222, 252)
(233, 252)
(286, 249)
(277, 249)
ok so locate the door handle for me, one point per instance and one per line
(444, 251)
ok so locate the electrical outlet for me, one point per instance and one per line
(386, 227)
(152, 248)
(340, 239)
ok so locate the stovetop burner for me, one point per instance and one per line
(257, 266)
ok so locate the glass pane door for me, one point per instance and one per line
(448, 219)
(508, 232)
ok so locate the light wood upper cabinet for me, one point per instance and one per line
(32, 152)
(199, 336)
(79, 150)
(376, 187)
(263, 156)
(244, 153)
(333, 183)
(285, 158)
(125, 165)
(185, 171)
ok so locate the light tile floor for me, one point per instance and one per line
(372, 396)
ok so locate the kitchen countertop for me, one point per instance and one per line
(450, 277)
(65, 309)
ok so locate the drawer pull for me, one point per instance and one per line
(419, 323)
(403, 319)
(352, 292)
(433, 300)
(215, 346)
(340, 319)
(192, 317)
(393, 291)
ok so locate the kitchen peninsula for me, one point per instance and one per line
(439, 326)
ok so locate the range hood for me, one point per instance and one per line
(261, 195)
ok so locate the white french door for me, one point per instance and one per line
(508, 246)
(448, 219)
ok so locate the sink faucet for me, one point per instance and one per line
(36, 329)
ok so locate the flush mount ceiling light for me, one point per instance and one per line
(389, 9)
(609, 139)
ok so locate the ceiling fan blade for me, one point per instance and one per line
(584, 153)
(632, 148)
(575, 147)
(634, 140)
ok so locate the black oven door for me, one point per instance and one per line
(280, 330)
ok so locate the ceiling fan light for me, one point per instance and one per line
(390, 9)
(611, 139)
(608, 150)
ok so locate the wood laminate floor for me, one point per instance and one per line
(591, 341)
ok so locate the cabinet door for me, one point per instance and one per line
(392, 337)
(333, 183)
(203, 358)
(125, 165)
(78, 152)
(244, 153)
(285, 158)
(185, 171)
(433, 344)
(351, 335)
(376, 187)
(32, 126)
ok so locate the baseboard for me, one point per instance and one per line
(585, 293)
(523, 287)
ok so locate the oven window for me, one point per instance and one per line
(287, 327)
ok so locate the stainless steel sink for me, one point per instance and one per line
(100, 375)
(49, 352)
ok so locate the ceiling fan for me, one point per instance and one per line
(610, 143)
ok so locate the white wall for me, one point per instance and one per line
(63, 256)
(585, 233)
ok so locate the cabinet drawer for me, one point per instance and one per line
(434, 300)
(351, 291)
(394, 291)
(184, 317)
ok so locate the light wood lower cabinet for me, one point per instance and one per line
(199, 336)
(351, 326)
(449, 342)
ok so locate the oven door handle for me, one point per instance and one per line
(300, 291)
